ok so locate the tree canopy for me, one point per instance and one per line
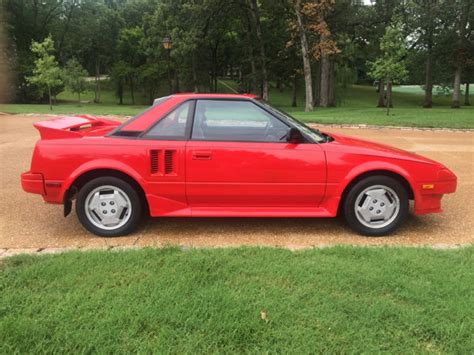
(46, 71)
(325, 44)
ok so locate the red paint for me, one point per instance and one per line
(202, 178)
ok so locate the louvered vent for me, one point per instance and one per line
(170, 162)
(154, 161)
(163, 162)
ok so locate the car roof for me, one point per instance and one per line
(192, 95)
(167, 103)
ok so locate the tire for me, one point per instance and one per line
(376, 206)
(109, 207)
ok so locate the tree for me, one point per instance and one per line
(426, 25)
(390, 66)
(74, 76)
(129, 52)
(46, 72)
(28, 21)
(4, 63)
(99, 29)
(381, 18)
(459, 57)
(308, 81)
(119, 75)
(325, 48)
(255, 13)
(468, 74)
(311, 21)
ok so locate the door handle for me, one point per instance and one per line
(202, 155)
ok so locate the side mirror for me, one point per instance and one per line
(294, 136)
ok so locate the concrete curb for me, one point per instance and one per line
(9, 252)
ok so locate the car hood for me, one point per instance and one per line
(365, 147)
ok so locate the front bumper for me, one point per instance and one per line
(430, 193)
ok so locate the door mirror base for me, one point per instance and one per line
(294, 136)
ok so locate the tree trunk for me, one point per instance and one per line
(456, 88)
(168, 64)
(279, 85)
(97, 81)
(79, 97)
(66, 28)
(306, 60)
(462, 25)
(429, 81)
(253, 71)
(317, 84)
(49, 96)
(195, 79)
(258, 32)
(213, 85)
(293, 97)
(253, 74)
(176, 80)
(428, 103)
(120, 91)
(381, 102)
(332, 81)
(466, 96)
(324, 87)
(132, 91)
(389, 96)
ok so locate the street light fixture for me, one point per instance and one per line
(167, 44)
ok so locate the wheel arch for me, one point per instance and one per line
(87, 175)
(380, 172)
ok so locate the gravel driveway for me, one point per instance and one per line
(27, 222)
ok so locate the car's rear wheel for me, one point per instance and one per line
(376, 205)
(108, 207)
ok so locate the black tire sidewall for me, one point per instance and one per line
(132, 194)
(350, 199)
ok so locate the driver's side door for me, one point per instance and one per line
(238, 157)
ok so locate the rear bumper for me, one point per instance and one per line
(33, 183)
(430, 194)
(36, 184)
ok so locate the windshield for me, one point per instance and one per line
(314, 134)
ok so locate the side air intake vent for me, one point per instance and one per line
(154, 161)
(163, 162)
(170, 162)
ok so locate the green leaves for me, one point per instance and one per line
(46, 71)
(74, 76)
(390, 65)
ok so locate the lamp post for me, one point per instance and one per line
(167, 44)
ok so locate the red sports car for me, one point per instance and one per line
(219, 155)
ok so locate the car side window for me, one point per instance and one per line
(173, 125)
(233, 120)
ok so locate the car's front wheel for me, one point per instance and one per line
(108, 207)
(376, 205)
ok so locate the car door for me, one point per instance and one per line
(165, 144)
(238, 157)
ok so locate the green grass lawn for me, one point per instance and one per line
(356, 105)
(336, 300)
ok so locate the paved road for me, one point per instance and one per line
(26, 222)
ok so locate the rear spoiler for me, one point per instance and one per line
(71, 126)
